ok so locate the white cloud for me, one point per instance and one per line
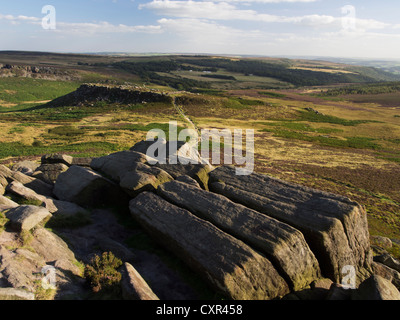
(84, 27)
(198, 10)
(267, 1)
(10, 17)
(370, 24)
(200, 28)
(222, 10)
(104, 27)
(203, 36)
(214, 26)
(205, 10)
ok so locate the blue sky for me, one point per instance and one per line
(336, 28)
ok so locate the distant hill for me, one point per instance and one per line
(187, 72)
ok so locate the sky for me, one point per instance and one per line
(323, 28)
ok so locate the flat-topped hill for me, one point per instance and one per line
(124, 94)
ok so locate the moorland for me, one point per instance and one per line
(326, 125)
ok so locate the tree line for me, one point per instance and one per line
(149, 71)
(374, 88)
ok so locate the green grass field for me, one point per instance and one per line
(242, 81)
(19, 93)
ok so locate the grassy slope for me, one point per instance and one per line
(17, 93)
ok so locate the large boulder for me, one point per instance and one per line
(144, 145)
(65, 208)
(54, 206)
(226, 263)
(339, 292)
(18, 189)
(20, 269)
(15, 294)
(49, 255)
(199, 172)
(388, 273)
(83, 162)
(37, 185)
(57, 158)
(25, 218)
(3, 184)
(188, 180)
(388, 260)
(143, 178)
(282, 244)
(174, 151)
(5, 172)
(27, 167)
(134, 287)
(128, 168)
(381, 242)
(87, 188)
(54, 250)
(334, 227)
(7, 202)
(116, 165)
(376, 288)
(51, 171)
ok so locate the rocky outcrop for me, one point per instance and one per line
(128, 169)
(57, 158)
(180, 160)
(18, 189)
(188, 180)
(55, 163)
(50, 172)
(5, 172)
(171, 152)
(90, 93)
(3, 184)
(64, 208)
(25, 218)
(15, 294)
(247, 237)
(116, 165)
(134, 287)
(27, 167)
(87, 188)
(224, 261)
(23, 270)
(199, 172)
(37, 185)
(388, 260)
(335, 228)
(143, 178)
(57, 251)
(388, 273)
(376, 288)
(54, 206)
(4, 201)
(41, 72)
(282, 244)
